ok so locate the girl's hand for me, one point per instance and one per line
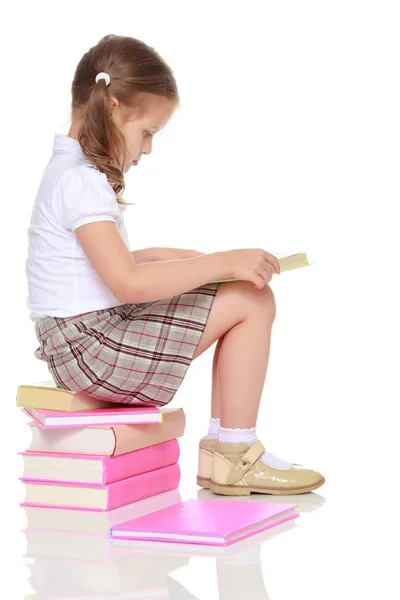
(176, 253)
(251, 264)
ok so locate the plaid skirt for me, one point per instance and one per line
(134, 353)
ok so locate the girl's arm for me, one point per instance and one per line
(144, 255)
(135, 283)
(156, 254)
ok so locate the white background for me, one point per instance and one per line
(287, 139)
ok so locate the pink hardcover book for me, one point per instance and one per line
(213, 522)
(103, 470)
(126, 415)
(97, 497)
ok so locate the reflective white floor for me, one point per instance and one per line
(341, 546)
(82, 564)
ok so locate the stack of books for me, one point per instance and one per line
(90, 455)
(102, 487)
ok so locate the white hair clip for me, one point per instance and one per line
(103, 76)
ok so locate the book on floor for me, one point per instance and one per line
(108, 440)
(86, 468)
(159, 549)
(125, 415)
(82, 521)
(101, 497)
(287, 262)
(46, 394)
(215, 522)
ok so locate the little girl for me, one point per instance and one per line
(123, 325)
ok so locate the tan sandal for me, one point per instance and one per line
(206, 453)
(237, 471)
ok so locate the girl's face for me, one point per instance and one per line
(139, 132)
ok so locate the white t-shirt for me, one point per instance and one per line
(72, 192)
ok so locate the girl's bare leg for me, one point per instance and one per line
(242, 366)
(241, 319)
(215, 406)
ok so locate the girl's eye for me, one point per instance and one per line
(147, 133)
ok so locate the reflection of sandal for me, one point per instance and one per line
(206, 453)
(237, 471)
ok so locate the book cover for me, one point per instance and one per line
(75, 468)
(159, 549)
(125, 415)
(108, 440)
(46, 394)
(287, 262)
(98, 497)
(214, 522)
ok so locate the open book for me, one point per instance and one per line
(287, 262)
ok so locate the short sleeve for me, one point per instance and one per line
(85, 196)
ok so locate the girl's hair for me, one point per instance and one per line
(135, 70)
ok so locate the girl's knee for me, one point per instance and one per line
(264, 296)
(266, 300)
(251, 297)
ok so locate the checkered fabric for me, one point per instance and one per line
(135, 353)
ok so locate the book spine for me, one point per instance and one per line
(118, 468)
(135, 437)
(143, 486)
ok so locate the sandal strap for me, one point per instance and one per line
(245, 462)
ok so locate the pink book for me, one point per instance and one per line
(102, 470)
(101, 497)
(126, 415)
(213, 522)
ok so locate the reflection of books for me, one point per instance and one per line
(287, 262)
(126, 575)
(47, 394)
(108, 440)
(71, 546)
(212, 522)
(39, 518)
(160, 592)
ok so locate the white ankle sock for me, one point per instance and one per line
(249, 436)
(234, 436)
(213, 430)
